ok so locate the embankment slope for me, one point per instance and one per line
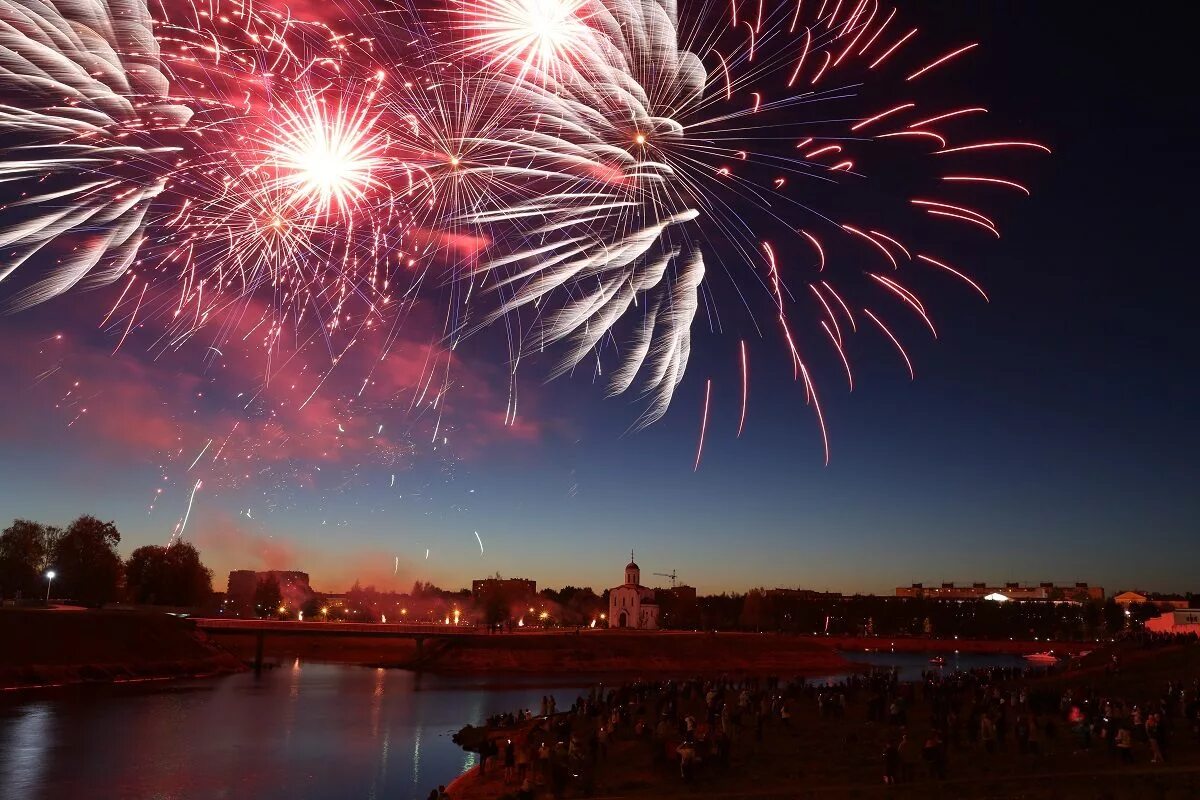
(44, 647)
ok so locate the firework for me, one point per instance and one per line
(80, 86)
(596, 157)
(628, 146)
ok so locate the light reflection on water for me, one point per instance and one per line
(304, 731)
(911, 665)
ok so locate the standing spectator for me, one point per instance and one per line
(987, 733)
(510, 761)
(687, 759)
(1124, 741)
(908, 759)
(891, 763)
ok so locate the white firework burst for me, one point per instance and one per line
(80, 86)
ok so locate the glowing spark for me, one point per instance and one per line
(989, 145)
(182, 526)
(881, 115)
(953, 271)
(703, 424)
(979, 179)
(941, 60)
(948, 115)
(893, 48)
(200, 454)
(745, 390)
(912, 374)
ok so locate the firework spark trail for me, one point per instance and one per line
(200, 454)
(745, 389)
(703, 424)
(480, 542)
(181, 526)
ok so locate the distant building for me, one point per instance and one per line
(241, 586)
(681, 595)
(243, 583)
(1177, 620)
(1077, 592)
(1163, 601)
(807, 595)
(632, 605)
(505, 587)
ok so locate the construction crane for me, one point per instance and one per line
(670, 575)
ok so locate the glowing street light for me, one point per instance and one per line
(49, 580)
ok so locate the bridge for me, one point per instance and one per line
(261, 628)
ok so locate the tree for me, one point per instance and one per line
(267, 596)
(24, 547)
(1114, 617)
(169, 576)
(753, 609)
(86, 561)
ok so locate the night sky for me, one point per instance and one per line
(1049, 435)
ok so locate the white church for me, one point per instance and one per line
(632, 605)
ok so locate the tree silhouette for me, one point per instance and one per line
(171, 576)
(267, 596)
(24, 548)
(86, 561)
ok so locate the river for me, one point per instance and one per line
(304, 731)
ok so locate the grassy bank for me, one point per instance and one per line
(49, 648)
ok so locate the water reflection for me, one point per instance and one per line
(302, 732)
(23, 743)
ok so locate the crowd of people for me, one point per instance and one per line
(707, 725)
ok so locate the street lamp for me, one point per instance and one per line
(49, 580)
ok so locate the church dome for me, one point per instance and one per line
(633, 565)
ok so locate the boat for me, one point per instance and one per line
(1046, 657)
(937, 661)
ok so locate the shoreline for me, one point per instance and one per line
(618, 653)
(59, 649)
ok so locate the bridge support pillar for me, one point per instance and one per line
(420, 653)
(260, 640)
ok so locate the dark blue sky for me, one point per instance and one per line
(1050, 435)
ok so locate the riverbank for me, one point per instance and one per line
(927, 644)
(607, 652)
(43, 648)
(1047, 737)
